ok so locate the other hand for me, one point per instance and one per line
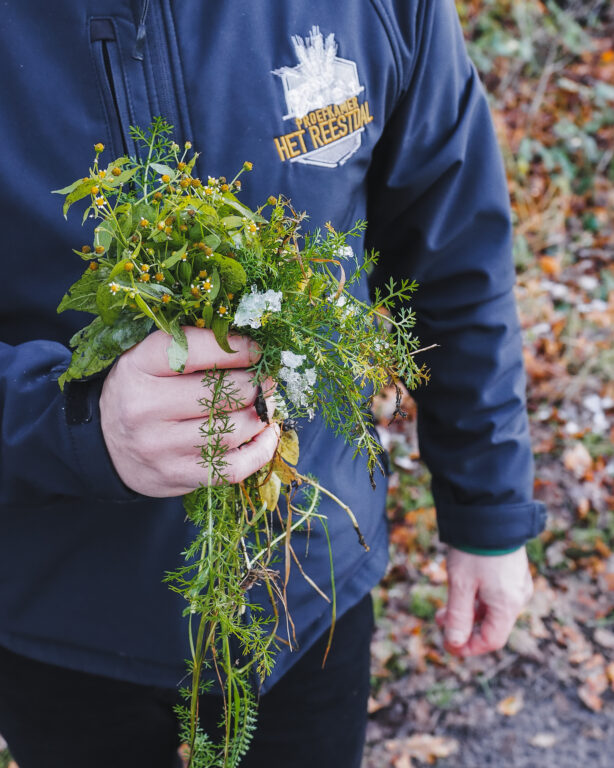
(486, 593)
(151, 416)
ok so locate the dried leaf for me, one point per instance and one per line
(543, 740)
(511, 705)
(604, 637)
(578, 460)
(590, 699)
(269, 491)
(288, 446)
(524, 643)
(423, 746)
(286, 473)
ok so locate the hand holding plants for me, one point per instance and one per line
(152, 416)
(243, 303)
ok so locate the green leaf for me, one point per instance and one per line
(86, 213)
(116, 163)
(216, 284)
(67, 190)
(178, 349)
(174, 257)
(118, 268)
(103, 235)
(109, 305)
(82, 295)
(81, 191)
(163, 169)
(232, 222)
(126, 222)
(154, 290)
(115, 181)
(232, 201)
(207, 315)
(158, 319)
(220, 327)
(184, 272)
(212, 241)
(97, 345)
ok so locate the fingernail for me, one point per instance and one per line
(269, 386)
(455, 637)
(254, 352)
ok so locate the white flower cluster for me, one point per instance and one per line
(299, 386)
(254, 304)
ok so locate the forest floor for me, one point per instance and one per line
(547, 699)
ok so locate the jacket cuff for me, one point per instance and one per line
(486, 552)
(82, 412)
(496, 527)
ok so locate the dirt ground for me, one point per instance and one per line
(553, 729)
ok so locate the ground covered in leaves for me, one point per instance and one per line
(547, 699)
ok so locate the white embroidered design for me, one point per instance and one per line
(321, 97)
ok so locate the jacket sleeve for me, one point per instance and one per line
(439, 212)
(52, 444)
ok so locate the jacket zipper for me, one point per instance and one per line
(168, 77)
(107, 59)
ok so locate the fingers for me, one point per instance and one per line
(181, 474)
(251, 457)
(459, 614)
(185, 438)
(182, 397)
(204, 353)
(493, 632)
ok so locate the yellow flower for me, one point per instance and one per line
(98, 148)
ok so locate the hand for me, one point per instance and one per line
(151, 416)
(485, 595)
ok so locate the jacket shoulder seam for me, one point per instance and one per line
(386, 22)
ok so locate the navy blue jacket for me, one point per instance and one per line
(353, 109)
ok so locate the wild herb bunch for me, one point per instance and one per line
(172, 250)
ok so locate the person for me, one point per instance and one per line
(352, 110)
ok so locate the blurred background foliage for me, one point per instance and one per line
(548, 69)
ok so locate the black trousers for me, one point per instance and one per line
(53, 717)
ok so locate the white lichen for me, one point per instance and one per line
(253, 306)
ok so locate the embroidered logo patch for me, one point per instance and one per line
(323, 99)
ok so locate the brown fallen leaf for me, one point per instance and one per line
(523, 642)
(604, 637)
(423, 746)
(402, 761)
(590, 699)
(511, 705)
(382, 700)
(543, 740)
(578, 460)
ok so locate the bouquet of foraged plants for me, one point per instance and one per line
(170, 250)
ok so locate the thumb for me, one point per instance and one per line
(460, 612)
